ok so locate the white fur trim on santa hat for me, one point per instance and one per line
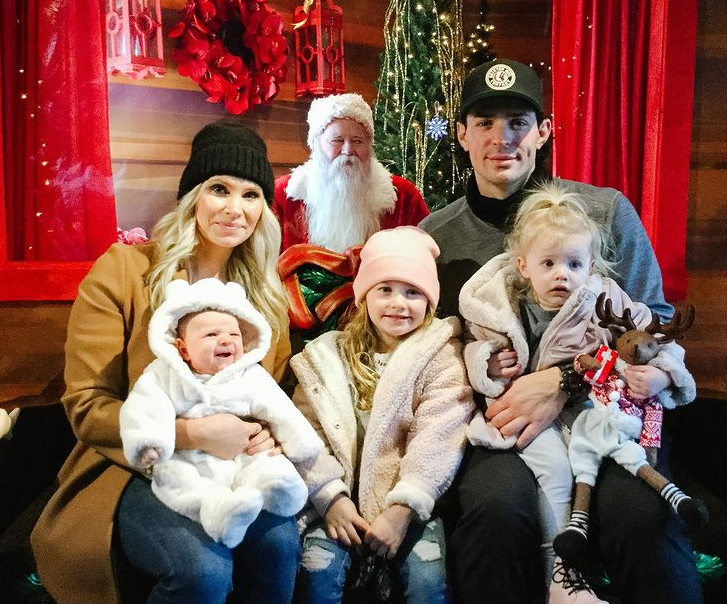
(181, 298)
(338, 106)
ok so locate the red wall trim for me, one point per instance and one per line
(48, 281)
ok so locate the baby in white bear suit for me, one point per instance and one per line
(208, 340)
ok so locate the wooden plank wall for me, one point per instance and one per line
(152, 122)
(706, 343)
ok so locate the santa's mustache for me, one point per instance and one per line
(346, 162)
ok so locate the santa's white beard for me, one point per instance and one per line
(338, 206)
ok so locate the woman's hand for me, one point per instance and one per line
(388, 530)
(263, 440)
(528, 406)
(343, 521)
(223, 435)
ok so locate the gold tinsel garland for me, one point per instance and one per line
(447, 44)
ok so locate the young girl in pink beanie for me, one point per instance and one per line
(389, 397)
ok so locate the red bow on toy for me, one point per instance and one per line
(311, 305)
(607, 357)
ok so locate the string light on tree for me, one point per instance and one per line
(478, 49)
(419, 90)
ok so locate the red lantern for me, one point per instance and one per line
(134, 38)
(318, 33)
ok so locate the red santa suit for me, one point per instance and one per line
(401, 204)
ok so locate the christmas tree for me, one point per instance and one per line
(419, 90)
(478, 49)
(424, 61)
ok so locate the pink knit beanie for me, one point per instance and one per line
(402, 254)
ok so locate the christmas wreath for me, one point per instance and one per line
(234, 49)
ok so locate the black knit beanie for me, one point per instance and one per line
(227, 148)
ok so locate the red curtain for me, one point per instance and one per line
(623, 85)
(58, 188)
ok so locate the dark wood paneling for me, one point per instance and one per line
(706, 342)
(31, 346)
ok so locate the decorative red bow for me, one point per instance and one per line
(304, 256)
(607, 357)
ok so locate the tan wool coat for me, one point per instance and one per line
(415, 437)
(106, 351)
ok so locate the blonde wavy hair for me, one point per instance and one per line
(549, 210)
(253, 263)
(359, 343)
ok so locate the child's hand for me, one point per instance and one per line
(343, 521)
(149, 457)
(646, 380)
(503, 364)
(388, 530)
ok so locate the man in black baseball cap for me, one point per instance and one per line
(495, 541)
(501, 79)
(502, 127)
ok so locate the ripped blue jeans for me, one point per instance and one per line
(420, 563)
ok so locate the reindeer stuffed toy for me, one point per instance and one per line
(617, 418)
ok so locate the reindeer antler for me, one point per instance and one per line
(674, 329)
(604, 311)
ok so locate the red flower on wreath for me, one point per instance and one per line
(234, 49)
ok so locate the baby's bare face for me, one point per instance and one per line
(212, 341)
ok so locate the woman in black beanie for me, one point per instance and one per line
(104, 534)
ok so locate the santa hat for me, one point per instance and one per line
(338, 106)
(182, 298)
(405, 254)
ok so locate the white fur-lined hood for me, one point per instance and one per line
(181, 298)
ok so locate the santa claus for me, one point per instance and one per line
(342, 194)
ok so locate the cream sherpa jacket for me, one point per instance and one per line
(488, 304)
(416, 433)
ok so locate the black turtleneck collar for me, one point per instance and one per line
(498, 212)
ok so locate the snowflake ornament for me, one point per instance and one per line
(436, 127)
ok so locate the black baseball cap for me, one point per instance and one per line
(501, 78)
